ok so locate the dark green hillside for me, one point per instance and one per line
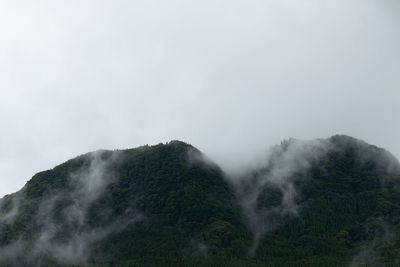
(348, 204)
(328, 202)
(159, 205)
(189, 212)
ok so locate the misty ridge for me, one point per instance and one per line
(229, 79)
(324, 202)
(67, 206)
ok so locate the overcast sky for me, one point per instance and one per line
(230, 77)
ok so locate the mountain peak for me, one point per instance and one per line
(320, 202)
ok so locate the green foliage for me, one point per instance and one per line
(346, 198)
(168, 207)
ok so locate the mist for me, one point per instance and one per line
(269, 189)
(230, 77)
(69, 208)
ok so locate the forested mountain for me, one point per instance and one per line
(326, 202)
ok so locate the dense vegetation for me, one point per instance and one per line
(330, 202)
(349, 211)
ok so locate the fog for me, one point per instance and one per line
(230, 77)
(270, 189)
(267, 192)
(67, 240)
(61, 227)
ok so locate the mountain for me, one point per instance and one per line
(326, 202)
(330, 202)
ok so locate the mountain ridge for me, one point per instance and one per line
(311, 202)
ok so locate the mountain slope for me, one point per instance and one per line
(150, 205)
(326, 202)
(321, 202)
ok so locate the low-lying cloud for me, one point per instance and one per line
(268, 192)
(67, 209)
(269, 189)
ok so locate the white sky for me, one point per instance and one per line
(230, 77)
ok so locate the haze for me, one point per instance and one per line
(230, 77)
